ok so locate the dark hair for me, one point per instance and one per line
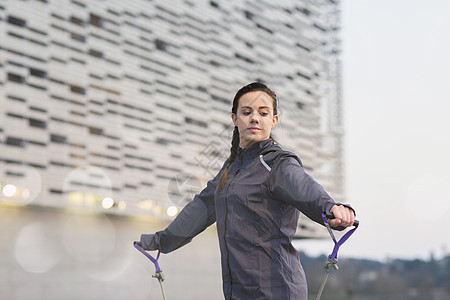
(251, 87)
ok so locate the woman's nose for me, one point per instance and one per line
(254, 117)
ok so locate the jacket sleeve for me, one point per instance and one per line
(195, 217)
(291, 184)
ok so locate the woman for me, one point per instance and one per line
(255, 200)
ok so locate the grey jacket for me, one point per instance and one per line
(256, 215)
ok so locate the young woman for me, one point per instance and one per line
(255, 199)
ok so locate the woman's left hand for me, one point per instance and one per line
(343, 216)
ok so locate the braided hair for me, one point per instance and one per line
(252, 87)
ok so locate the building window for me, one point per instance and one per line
(201, 88)
(42, 110)
(76, 21)
(95, 131)
(38, 73)
(57, 17)
(161, 45)
(16, 78)
(214, 63)
(95, 20)
(304, 11)
(37, 123)
(320, 28)
(249, 15)
(15, 63)
(36, 143)
(77, 37)
(80, 61)
(303, 47)
(59, 139)
(239, 56)
(17, 21)
(15, 116)
(95, 76)
(78, 3)
(77, 89)
(196, 122)
(303, 75)
(95, 53)
(162, 141)
(38, 166)
(15, 98)
(114, 13)
(16, 142)
(221, 99)
(268, 30)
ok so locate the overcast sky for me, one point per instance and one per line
(396, 80)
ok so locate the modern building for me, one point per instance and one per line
(123, 107)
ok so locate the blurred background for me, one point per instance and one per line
(113, 115)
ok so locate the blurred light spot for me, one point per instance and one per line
(158, 210)
(76, 198)
(172, 211)
(145, 204)
(89, 238)
(34, 251)
(122, 205)
(87, 186)
(9, 190)
(24, 189)
(107, 203)
(91, 199)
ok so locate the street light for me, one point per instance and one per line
(9, 190)
(107, 203)
(172, 211)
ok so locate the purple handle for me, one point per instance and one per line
(337, 244)
(154, 261)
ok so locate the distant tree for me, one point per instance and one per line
(388, 284)
(395, 279)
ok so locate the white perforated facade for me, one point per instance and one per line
(114, 99)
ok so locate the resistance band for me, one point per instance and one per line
(332, 258)
(158, 272)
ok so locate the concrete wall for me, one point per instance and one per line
(62, 254)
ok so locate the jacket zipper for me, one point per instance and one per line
(225, 227)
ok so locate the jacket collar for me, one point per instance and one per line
(254, 150)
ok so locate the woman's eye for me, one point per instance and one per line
(263, 114)
(246, 113)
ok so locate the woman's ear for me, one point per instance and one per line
(234, 118)
(275, 120)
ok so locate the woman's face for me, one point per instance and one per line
(254, 118)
